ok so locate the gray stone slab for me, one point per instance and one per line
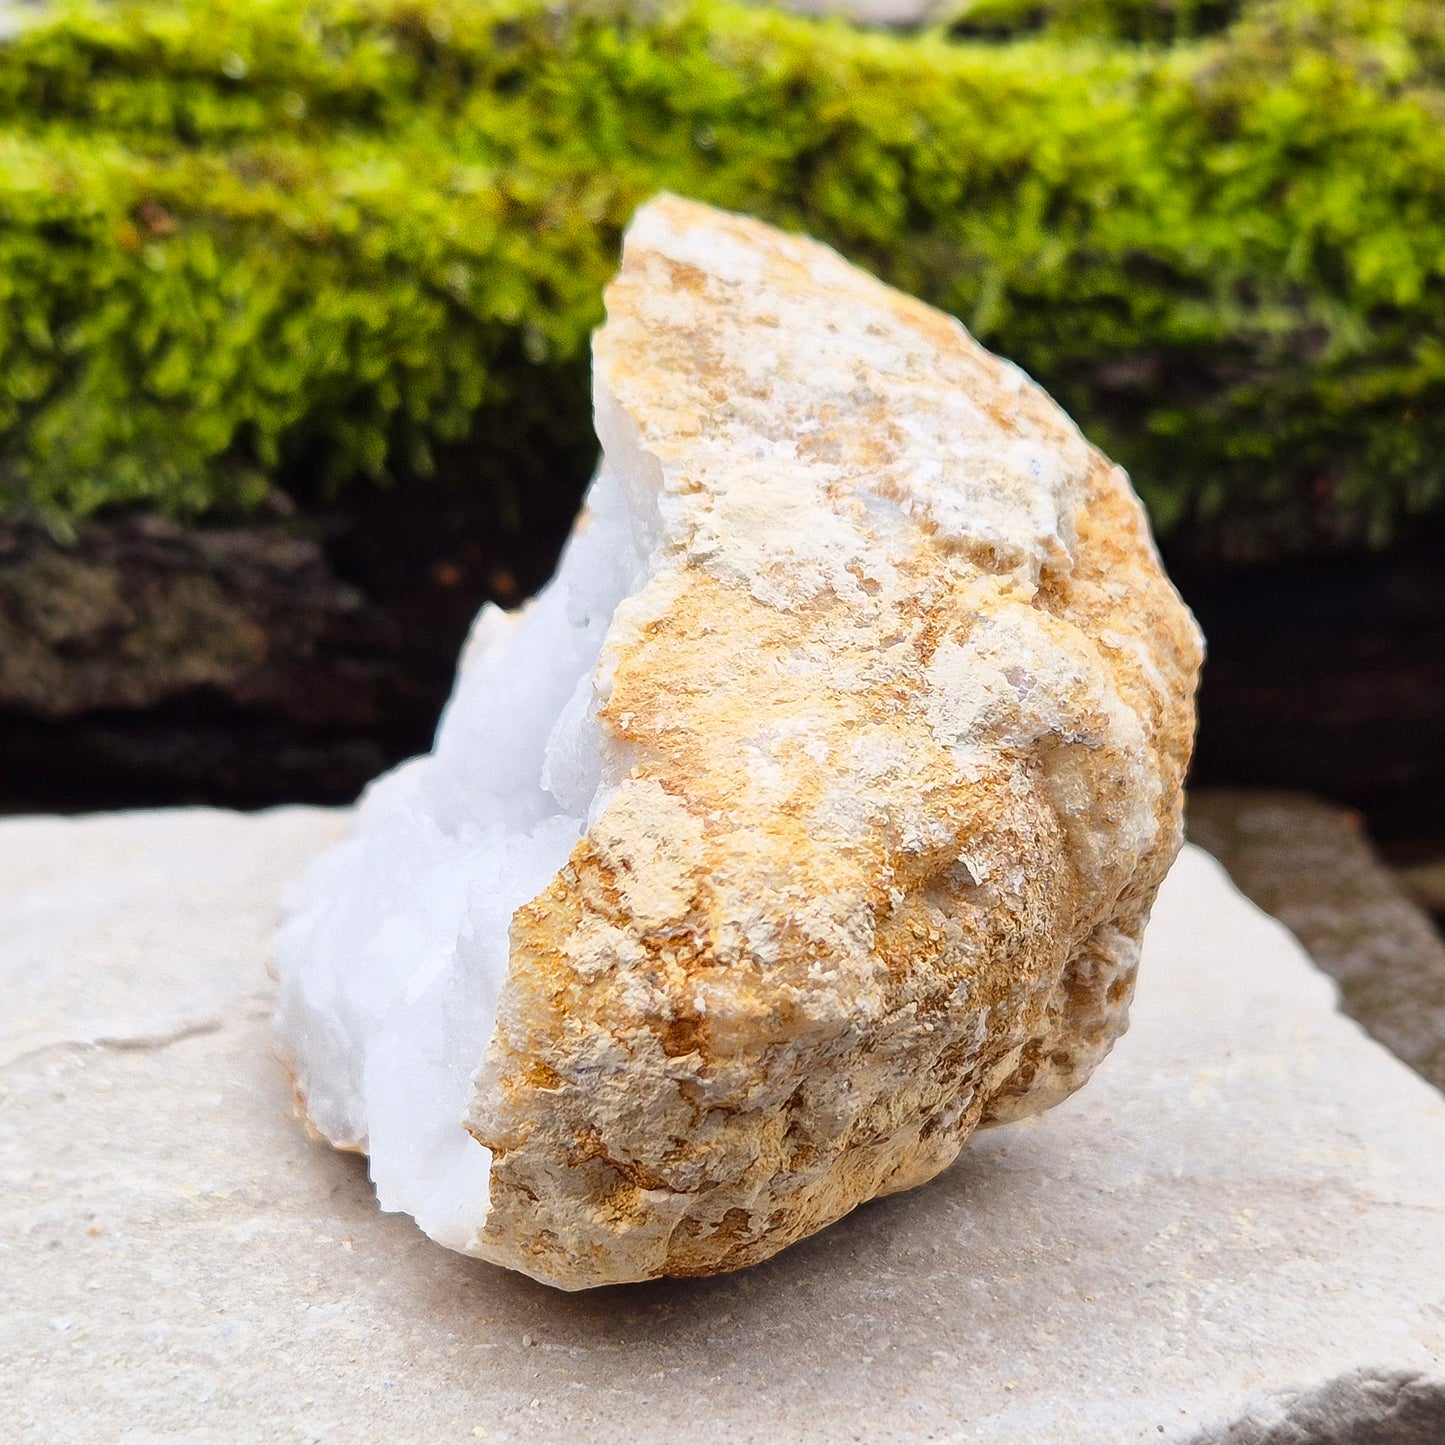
(1235, 1233)
(1310, 864)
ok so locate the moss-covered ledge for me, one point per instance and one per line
(259, 244)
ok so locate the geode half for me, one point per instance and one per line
(806, 822)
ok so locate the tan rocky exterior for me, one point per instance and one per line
(898, 727)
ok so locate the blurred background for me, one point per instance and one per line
(295, 298)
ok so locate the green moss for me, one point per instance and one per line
(251, 242)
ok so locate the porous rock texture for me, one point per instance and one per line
(823, 796)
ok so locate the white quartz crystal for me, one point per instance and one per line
(395, 949)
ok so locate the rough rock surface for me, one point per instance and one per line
(861, 808)
(142, 656)
(1424, 883)
(1235, 1234)
(142, 612)
(142, 661)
